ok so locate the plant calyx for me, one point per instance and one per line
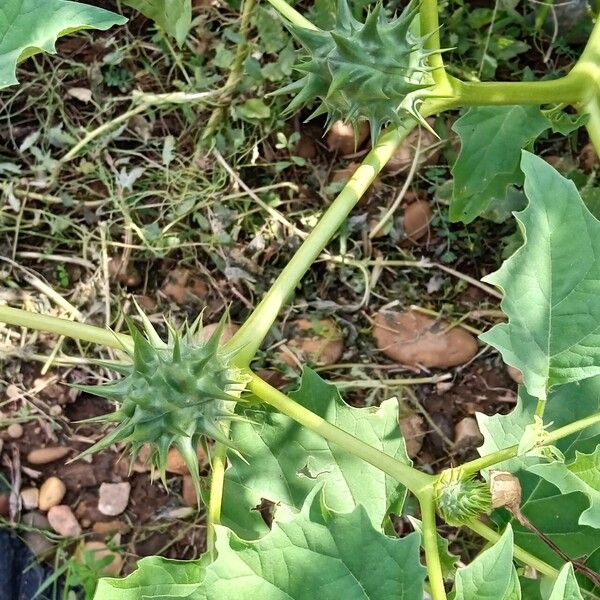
(459, 500)
(375, 71)
(173, 394)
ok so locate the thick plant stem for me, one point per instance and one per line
(291, 14)
(430, 26)
(77, 331)
(432, 556)
(521, 555)
(217, 479)
(256, 327)
(565, 90)
(479, 464)
(411, 478)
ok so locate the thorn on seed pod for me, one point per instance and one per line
(174, 394)
(376, 71)
(460, 500)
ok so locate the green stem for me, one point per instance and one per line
(77, 331)
(522, 555)
(430, 544)
(540, 407)
(479, 464)
(411, 478)
(430, 26)
(291, 14)
(565, 90)
(258, 324)
(217, 479)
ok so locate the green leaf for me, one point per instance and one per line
(492, 138)
(491, 576)
(565, 123)
(566, 587)
(316, 554)
(551, 511)
(254, 108)
(155, 577)
(173, 16)
(31, 26)
(582, 475)
(282, 462)
(551, 285)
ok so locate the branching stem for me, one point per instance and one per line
(479, 464)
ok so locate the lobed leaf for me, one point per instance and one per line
(492, 138)
(282, 462)
(174, 16)
(551, 285)
(317, 554)
(582, 475)
(31, 26)
(492, 575)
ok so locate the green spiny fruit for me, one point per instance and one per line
(375, 71)
(461, 500)
(173, 394)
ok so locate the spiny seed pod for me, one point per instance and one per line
(375, 71)
(461, 500)
(173, 395)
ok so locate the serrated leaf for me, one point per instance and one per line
(31, 26)
(173, 16)
(566, 586)
(492, 575)
(281, 461)
(582, 475)
(327, 556)
(551, 285)
(551, 511)
(316, 554)
(492, 138)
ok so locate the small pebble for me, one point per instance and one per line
(12, 391)
(63, 521)
(188, 492)
(55, 410)
(38, 543)
(113, 498)
(51, 493)
(100, 551)
(467, 434)
(110, 527)
(15, 431)
(30, 498)
(42, 456)
(176, 464)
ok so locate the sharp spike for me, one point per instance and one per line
(370, 30)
